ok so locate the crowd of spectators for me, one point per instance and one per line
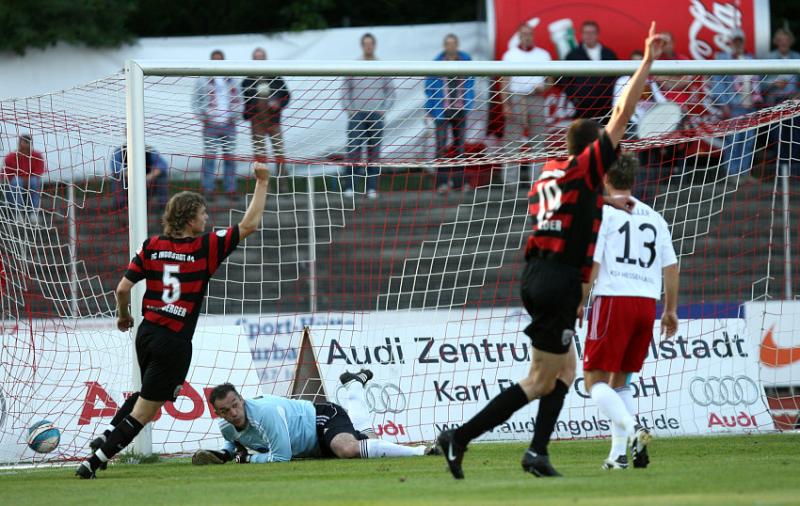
(532, 107)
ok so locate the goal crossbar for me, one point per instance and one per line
(457, 68)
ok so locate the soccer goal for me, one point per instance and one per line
(390, 243)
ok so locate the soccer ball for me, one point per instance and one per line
(43, 436)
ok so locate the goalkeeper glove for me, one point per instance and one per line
(242, 455)
(203, 457)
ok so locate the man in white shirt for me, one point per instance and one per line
(632, 252)
(217, 104)
(524, 101)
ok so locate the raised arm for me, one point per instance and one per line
(626, 106)
(252, 217)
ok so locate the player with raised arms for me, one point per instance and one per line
(278, 429)
(633, 250)
(565, 206)
(177, 267)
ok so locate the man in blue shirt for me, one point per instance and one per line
(156, 177)
(277, 429)
(449, 102)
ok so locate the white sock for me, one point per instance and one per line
(356, 406)
(619, 438)
(612, 406)
(626, 394)
(377, 448)
(619, 441)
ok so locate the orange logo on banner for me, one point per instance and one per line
(773, 356)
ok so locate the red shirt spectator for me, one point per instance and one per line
(24, 162)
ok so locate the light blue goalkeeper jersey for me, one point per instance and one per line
(277, 429)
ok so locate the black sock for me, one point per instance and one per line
(120, 437)
(125, 410)
(493, 414)
(547, 416)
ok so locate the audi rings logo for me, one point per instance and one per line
(719, 391)
(380, 397)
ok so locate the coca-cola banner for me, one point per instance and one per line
(700, 27)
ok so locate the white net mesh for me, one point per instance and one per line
(409, 267)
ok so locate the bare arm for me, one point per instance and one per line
(123, 294)
(669, 320)
(587, 287)
(252, 217)
(633, 90)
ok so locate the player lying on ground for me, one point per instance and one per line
(177, 266)
(279, 429)
(632, 252)
(565, 208)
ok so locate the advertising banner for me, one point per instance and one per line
(433, 370)
(436, 373)
(776, 326)
(79, 378)
(700, 28)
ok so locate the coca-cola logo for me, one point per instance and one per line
(721, 20)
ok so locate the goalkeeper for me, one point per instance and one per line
(277, 429)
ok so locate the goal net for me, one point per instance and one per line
(393, 240)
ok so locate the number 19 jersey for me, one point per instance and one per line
(632, 249)
(177, 273)
(565, 206)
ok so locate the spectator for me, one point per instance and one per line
(591, 95)
(524, 109)
(784, 138)
(672, 83)
(450, 100)
(217, 103)
(157, 177)
(24, 169)
(264, 100)
(366, 100)
(737, 96)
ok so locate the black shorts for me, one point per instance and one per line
(333, 420)
(551, 292)
(164, 360)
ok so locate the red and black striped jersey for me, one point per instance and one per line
(177, 273)
(566, 205)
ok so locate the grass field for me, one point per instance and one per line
(703, 471)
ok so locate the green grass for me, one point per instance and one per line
(684, 471)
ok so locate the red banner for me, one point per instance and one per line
(700, 28)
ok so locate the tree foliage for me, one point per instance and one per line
(40, 23)
(108, 23)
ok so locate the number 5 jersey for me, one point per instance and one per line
(177, 273)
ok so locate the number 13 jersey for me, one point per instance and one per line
(632, 249)
(177, 273)
(565, 204)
